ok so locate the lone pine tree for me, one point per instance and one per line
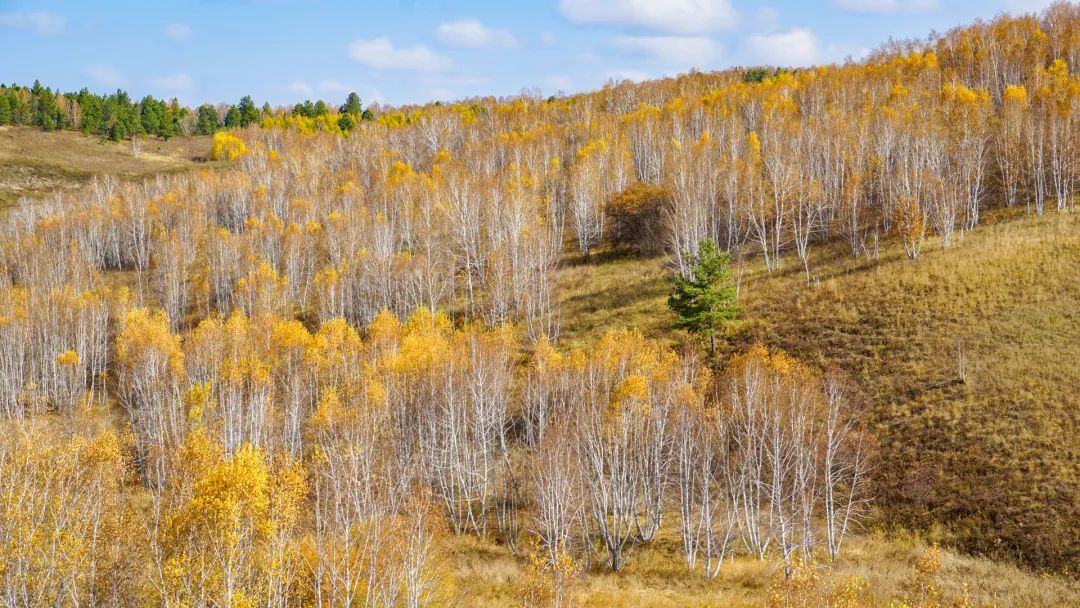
(705, 302)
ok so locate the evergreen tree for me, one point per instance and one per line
(5, 110)
(206, 121)
(43, 105)
(346, 122)
(249, 113)
(170, 124)
(321, 109)
(233, 118)
(151, 115)
(90, 105)
(118, 131)
(705, 303)
(267, 111)
(352, 105)
(25, 112)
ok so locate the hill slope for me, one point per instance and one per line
(34, 162)
(991, 464)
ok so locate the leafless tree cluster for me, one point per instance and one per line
(777, 465)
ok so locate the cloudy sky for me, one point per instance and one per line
(406, 51)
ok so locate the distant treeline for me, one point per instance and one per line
(116, 116)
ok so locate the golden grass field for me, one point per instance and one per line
(655, 576)
(34, 162)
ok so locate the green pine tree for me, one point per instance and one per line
(206, 121)
(233, 118)
(352, 105)
(346, 122)
(150, 111)
(118, 131)
(705, 303)
(249, 112)
(5, 110)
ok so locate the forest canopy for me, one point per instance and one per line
(117, 116)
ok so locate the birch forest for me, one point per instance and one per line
(332, 365)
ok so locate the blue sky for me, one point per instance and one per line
(413, 51)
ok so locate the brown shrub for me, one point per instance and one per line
(637, 218)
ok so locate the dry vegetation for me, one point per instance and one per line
(996, 452)
(364, 367)
(35, 162)
(657, 577)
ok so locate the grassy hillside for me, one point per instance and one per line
(33, 162)
(656, 577)
(990, 465)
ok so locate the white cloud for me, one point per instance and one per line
(886, 7)
(627, 74)
(299, 86)
(372, 96)
(469, 80)
(178, 31)
(381, 54)
(173, 82)
(473, 34)
(42, 22)
(795, 47)
(680, 51)
(766, 19)
(441, 94)
(334, 86)
(673, 16)
(104, 75)
(1027, 6)
(557, 82)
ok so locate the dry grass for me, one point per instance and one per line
(992, 465)
(655, 576)
(610, 291)
(995, 459)
(34, 162)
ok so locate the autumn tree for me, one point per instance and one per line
(1009, 142)
(150, 375)
(636, 218)
(67, 534)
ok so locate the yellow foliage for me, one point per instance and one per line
(63, 527)
(146, 334)
(1016, 94)
(68, 358)
(546, 583)
(227, 146)
(754, 143)
(633, 388)
(810, 586)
